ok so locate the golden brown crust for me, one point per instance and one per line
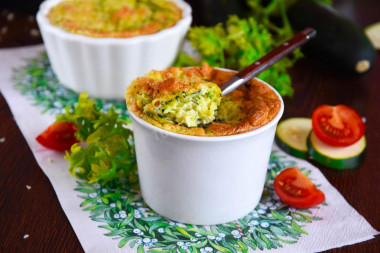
(168, 86)
(260, 103)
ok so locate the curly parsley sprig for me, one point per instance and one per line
(237, 44)
(108, 151)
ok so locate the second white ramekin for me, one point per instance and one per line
(104, 67)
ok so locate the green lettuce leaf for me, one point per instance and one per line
(237, 44)
(106, 151)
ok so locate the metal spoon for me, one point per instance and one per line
(268, 60)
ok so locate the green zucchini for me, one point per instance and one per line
(339, 43)
(336, 157)
(291, 136)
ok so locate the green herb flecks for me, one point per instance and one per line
(109, 153)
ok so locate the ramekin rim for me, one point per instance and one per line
(183, 22)
(216, 138)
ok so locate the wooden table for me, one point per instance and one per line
(37, 212)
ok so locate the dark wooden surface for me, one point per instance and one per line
(36, 212)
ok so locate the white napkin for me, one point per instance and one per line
(270, 225)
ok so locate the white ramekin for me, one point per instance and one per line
(104, 67)
(202, 180)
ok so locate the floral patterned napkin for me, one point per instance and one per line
(114, 218)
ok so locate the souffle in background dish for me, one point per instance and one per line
(114, 18)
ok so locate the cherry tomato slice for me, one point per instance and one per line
(59, 136)
(296, 190)
(337, 125)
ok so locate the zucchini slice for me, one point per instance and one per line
(291, 136)
(337, 157)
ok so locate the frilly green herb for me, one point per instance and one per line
(108, 150)
(273, 16)
(237, 44)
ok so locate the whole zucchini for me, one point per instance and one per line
(340, 43)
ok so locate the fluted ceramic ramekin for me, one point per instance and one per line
(104, 67)
(202, 180)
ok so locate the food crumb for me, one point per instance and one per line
(26, 236)
(10, 16)
(50, 160)
(2, 140)
(28, 187)
(34, 32)
(4, 30)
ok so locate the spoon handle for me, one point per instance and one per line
(267, 60)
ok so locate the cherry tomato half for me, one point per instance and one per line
(296, 190)
(59, 136)
(337, 125)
